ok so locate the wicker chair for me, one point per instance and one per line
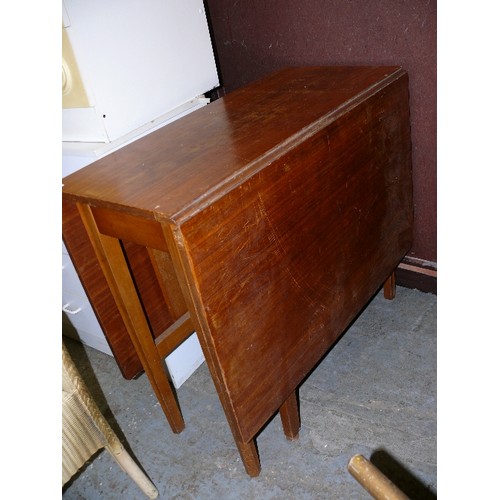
(85, 431)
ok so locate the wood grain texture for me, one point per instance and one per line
(257, 38)
(179, 168)
(112, 261)
(284, 207)
(286, 260)
(97, 290)
(149, 286)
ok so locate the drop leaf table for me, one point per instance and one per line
(264, 221)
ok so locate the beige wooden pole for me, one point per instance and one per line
(373, 480)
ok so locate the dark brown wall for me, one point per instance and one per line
(255, 37)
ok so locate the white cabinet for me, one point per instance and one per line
(127, 62)
(81, 322)
(129, 67)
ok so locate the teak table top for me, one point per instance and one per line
(284, 205)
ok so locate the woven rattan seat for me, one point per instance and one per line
(85, 431)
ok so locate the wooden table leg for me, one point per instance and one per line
(290, 417)
(153, 364)
(250, 457)
(113, 263)
(390, 287)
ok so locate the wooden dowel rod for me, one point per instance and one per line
(373, 480)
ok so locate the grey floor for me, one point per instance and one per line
(373, 394)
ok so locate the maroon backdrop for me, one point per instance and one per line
(256, 37)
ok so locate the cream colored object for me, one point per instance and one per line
(85, 431)
(373, 480)
(73, 90)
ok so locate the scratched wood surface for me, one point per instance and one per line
(179, 168)
(287, 259)
(289, 203)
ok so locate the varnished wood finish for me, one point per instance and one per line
(168, 282)
(250, 457)
(415, 273)
(287, 258)
(290, 416)
(284, 207)
(112, 260)
(390, 287)
(174, 335)
(124, 226)
(162, 307)
(94, 282)
(148, 287)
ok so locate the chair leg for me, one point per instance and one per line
(128, 464)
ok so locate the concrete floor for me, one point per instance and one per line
(374, 394)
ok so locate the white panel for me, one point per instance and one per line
(78, 310)
(184, 361)
(77, 155)
(141, 58)
(71, 163)
(82, 124)
(65, 18)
